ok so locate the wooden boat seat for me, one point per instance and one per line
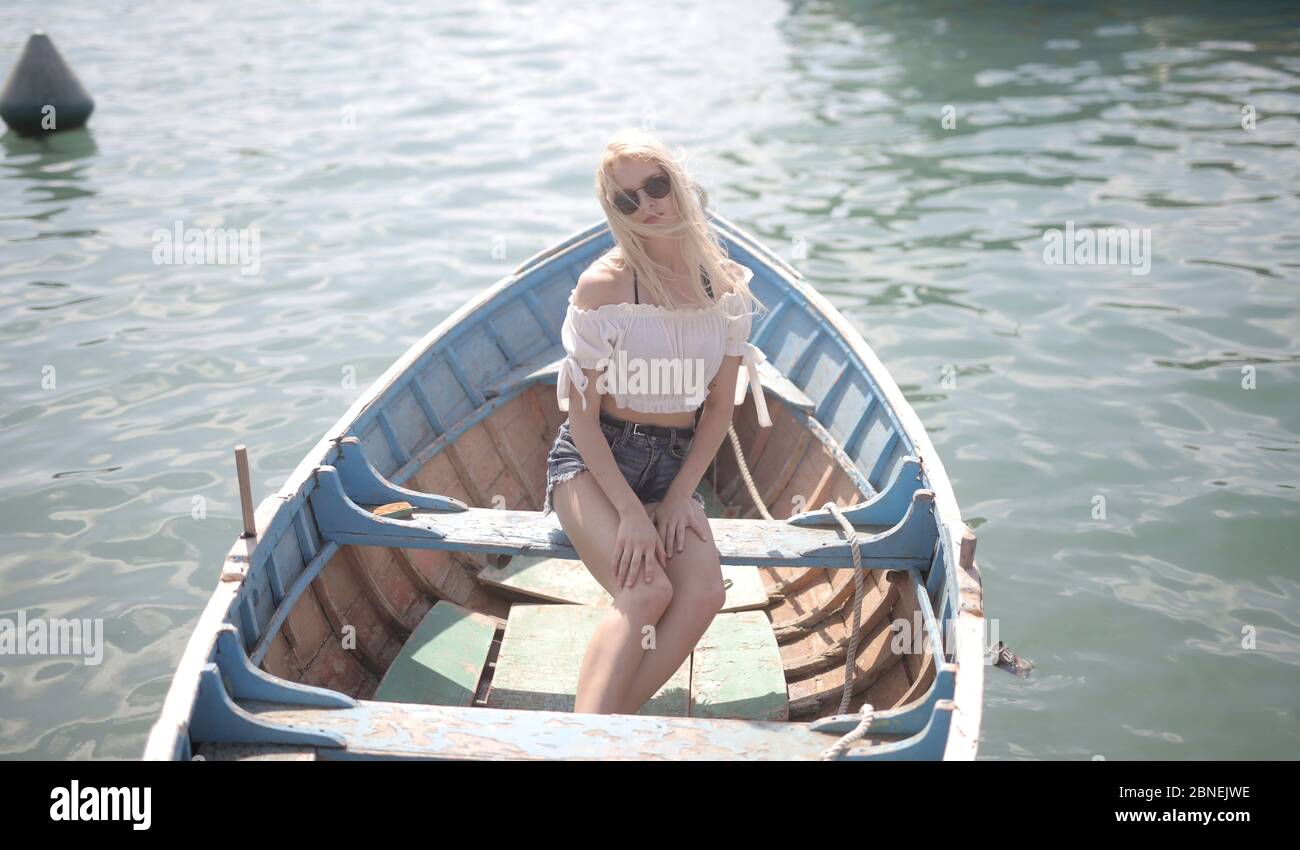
(896, 529)
(442, 662)
(385, 730)
(735, 671)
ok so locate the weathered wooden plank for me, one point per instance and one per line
(745, 591)
(414, 575)
(443, 660)
(823, 690)
(546, 579)
(827, 645)
(511, 461)
(736, 670)
(785, 582)
(364, 654)
(890, 690)
(841, 591)
(541, 656)
(784, 474)
(362, 562)
(790, 608)
(907, 545)
(377, 729)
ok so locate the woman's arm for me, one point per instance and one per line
(714, 422)
(584, 425)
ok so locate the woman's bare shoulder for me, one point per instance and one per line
(600, 284)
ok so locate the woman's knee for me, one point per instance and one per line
(646, 600)
(699, 577)
(710, 595)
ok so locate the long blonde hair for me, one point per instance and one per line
(701, 247)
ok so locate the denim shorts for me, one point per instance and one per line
(648, 463)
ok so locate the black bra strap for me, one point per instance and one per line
(636, 289)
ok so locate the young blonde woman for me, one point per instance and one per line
(655, 326)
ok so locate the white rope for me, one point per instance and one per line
(744, 473)
(850, 666)
(867, 712)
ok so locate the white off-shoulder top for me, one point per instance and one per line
(660, 360)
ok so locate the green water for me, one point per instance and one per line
(395, 161)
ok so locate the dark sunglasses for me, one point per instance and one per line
(656, 187)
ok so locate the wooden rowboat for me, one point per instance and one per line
(457, 633)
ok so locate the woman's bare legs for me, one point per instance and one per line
(616, 648)
(698, 595)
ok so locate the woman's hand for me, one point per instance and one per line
(637, 548)
(673, 516)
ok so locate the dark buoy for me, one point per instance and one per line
(42, 95)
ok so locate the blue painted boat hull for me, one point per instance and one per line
(456, 421)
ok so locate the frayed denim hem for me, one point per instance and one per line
(547, 507)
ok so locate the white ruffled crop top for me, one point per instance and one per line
(660, 360)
